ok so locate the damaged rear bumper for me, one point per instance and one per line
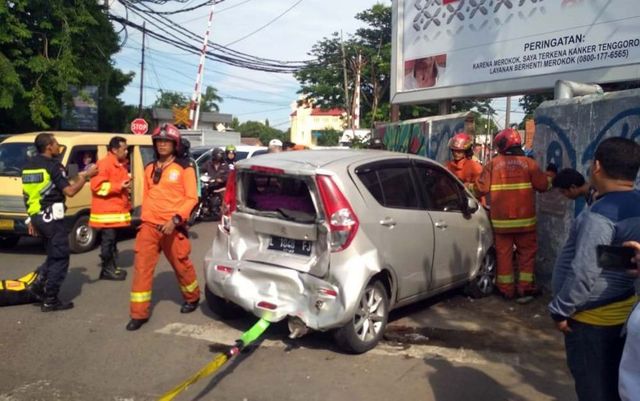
(275, 293)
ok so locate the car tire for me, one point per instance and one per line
(484, 282)
(82, 237)
(224, 309)
(9, 241)
(366, 328)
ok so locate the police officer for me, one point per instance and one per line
(45, 186)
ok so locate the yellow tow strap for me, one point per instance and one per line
(247, 338)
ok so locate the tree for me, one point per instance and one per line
(329, 137)
(45, 48)
(169, 99)
(323, 79)
(235, 123)
(256, 129)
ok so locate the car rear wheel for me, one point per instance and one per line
(82, 237)
(221, 307)
(9, 241)
(483, 284)
(366, 328)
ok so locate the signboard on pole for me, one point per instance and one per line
(139, 126)
(445, 49)
(83, 113)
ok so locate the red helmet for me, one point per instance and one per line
(460, 141)
(507, 139)
(170, 132)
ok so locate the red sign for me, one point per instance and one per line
(139, 126)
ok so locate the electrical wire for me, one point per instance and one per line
(267, 24)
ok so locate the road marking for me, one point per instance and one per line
(220, 333)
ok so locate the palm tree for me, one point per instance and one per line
(210, 100)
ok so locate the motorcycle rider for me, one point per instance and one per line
(217, 169)
(230, 156)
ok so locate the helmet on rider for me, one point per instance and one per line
(168, 132)
(217, 155)
(460, 141)
(230, 152)
(507, 139)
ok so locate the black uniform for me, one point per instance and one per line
(43, 181)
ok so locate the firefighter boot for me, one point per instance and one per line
(111, 272)
(135, 324)
(37, 288)
(189, 307)
(53, 304)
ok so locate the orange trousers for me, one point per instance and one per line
(176, 247)
(526, 247)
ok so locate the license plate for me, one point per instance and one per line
(288, 245)
(6, 225)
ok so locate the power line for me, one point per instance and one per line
(267, 24)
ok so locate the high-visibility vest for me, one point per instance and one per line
(511, 182)
(110, 204)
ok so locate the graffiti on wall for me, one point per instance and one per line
(413, 137)
(565, 151)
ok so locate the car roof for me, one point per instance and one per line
(330, 159)
(82, 138)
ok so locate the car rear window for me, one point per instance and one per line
(290, 196)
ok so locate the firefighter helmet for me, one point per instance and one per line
(460, 141)
(170, 132)
(507, 139)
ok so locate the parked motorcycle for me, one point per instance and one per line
(209, 206)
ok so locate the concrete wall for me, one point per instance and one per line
(567, 133)
(425, 136)
(211, 138)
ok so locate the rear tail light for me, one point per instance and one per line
(343, 222)
(328, 292)
(229, 203)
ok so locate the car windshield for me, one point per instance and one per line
(240, 155)
(13, 157)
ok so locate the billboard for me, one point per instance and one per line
(446, 49)
(83, 115)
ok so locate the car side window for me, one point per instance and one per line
(83, 156)
(441, 191)
(392, 186)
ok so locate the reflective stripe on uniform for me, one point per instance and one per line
(510, 187)
(505, 278)
(110, 218)
(144, 296)
(189, 288)
(105, 187)
(515, 223)
(525, 277)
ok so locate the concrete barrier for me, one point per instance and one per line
(568, 132)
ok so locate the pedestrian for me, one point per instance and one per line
(275, 146)
(573, 186)
(45, 186)
(461, 164)
(511, 179)
(169, 196)
(589, 304)
(629, 382)
(110, 205)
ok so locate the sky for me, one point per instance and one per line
(290, 37)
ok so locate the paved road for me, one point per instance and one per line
(448, 349)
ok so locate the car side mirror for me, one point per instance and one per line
(472, 205)
(72, 170)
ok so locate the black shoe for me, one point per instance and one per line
(135, 324)
(54, 304)
(113, 274)
(37, 290)
(189, 307)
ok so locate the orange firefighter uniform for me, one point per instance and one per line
(467, 170)
(174, 194)
(511, 181)
(110, 205)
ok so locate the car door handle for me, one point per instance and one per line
(441, 225)
(388, 222)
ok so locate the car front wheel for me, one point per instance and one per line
(82, 237)
(367, 327)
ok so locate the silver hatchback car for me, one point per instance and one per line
(335, 239)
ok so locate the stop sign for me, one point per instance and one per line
(139, 126)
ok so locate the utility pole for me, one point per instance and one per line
(194, 113)
(355, 124)
(144, 34)
(346, 82)
(507, 117)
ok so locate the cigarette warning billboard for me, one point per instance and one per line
(458, 48)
